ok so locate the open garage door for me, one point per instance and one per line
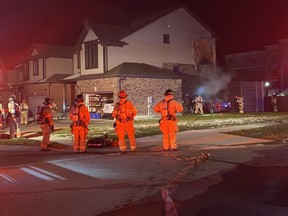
(34, 103)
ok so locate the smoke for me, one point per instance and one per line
(215, 80)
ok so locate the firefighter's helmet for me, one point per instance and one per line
(122, 94)
(12, 98)
(47, 101)
(79, 98)
(169, 92)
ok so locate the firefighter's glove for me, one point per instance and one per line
(52, 128)
(129, 118)
(120, 120)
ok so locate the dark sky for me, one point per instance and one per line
(240, 24)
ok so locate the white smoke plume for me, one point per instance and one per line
(215, 81)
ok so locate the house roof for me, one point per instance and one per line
(128, 69)
(10, 61)
(47, 50)
(54, 78)
(112, 34)
(6, 87)
(140, 70)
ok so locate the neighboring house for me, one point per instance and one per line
(144, 58)
(41, 73)
(7, 63)
(255, 68)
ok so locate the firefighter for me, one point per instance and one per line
(168, 108)
(2, 115)
(198, 105)
(13, 117)
(80, 116)
(240, 102)
(123, 113)
(24, 112)
(46, 123)
(274, 103)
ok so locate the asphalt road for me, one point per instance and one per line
(243, 176)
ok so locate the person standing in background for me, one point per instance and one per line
(13, 118)
(2, 115)
(274, 103)
(240, 102)
(24, 112)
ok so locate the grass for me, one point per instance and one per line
(148, 127)
(275, 132)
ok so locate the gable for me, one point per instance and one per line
(178, 21)
(90, 36)
(34, 53)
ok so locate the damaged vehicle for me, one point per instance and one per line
(216, 107)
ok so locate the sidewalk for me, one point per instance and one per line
(188, 139)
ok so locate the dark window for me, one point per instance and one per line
(91, 54)
(166, 38)
(78, 60)
(26, 71)
(253, 60)
(252, 72)
(35, 67)
(44, 68)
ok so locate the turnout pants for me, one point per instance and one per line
(169, 130)
(121, 130)
(80, 134)
(46, 131)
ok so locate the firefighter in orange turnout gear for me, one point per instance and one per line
(168, 123)
(124, 113)
(46, 123)
(80, 117)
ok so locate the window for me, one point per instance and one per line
(252, 60)
(78, 60)
(253, 72)
(35, 67)
(26, 71)
(91, 54)
(166, 38)
(44, 68)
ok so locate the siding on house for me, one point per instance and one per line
(146, 44)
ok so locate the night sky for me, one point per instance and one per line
(239, 24)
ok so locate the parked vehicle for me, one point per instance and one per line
(107, 109)
(216, 107)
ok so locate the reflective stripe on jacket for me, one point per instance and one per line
(168, 109)
(124, 111)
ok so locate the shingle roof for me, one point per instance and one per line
(112, 34)
(54, 78)
(47, 50)
(10, 61)
(128, 69)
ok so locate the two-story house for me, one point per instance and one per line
(7, 63)
(41, 73)
(145, 58)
